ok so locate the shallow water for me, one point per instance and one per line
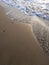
(18, 45)
(31, 7)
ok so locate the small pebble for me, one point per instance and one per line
(3, 30)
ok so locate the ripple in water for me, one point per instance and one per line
(31, 7)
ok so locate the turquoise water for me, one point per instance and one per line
(31, 7)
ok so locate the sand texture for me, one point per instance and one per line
(18, 45)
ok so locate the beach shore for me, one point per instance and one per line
(18, 45)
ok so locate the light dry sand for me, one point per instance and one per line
(18, 45)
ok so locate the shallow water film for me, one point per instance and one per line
(31, 7)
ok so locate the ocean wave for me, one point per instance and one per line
(31, 7)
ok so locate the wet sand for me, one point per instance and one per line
(17, 44)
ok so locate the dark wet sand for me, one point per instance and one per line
(18, 45)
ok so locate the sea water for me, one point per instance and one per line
(31, 7)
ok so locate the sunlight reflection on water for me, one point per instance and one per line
(31, 7)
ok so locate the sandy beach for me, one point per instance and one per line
(18, 45)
